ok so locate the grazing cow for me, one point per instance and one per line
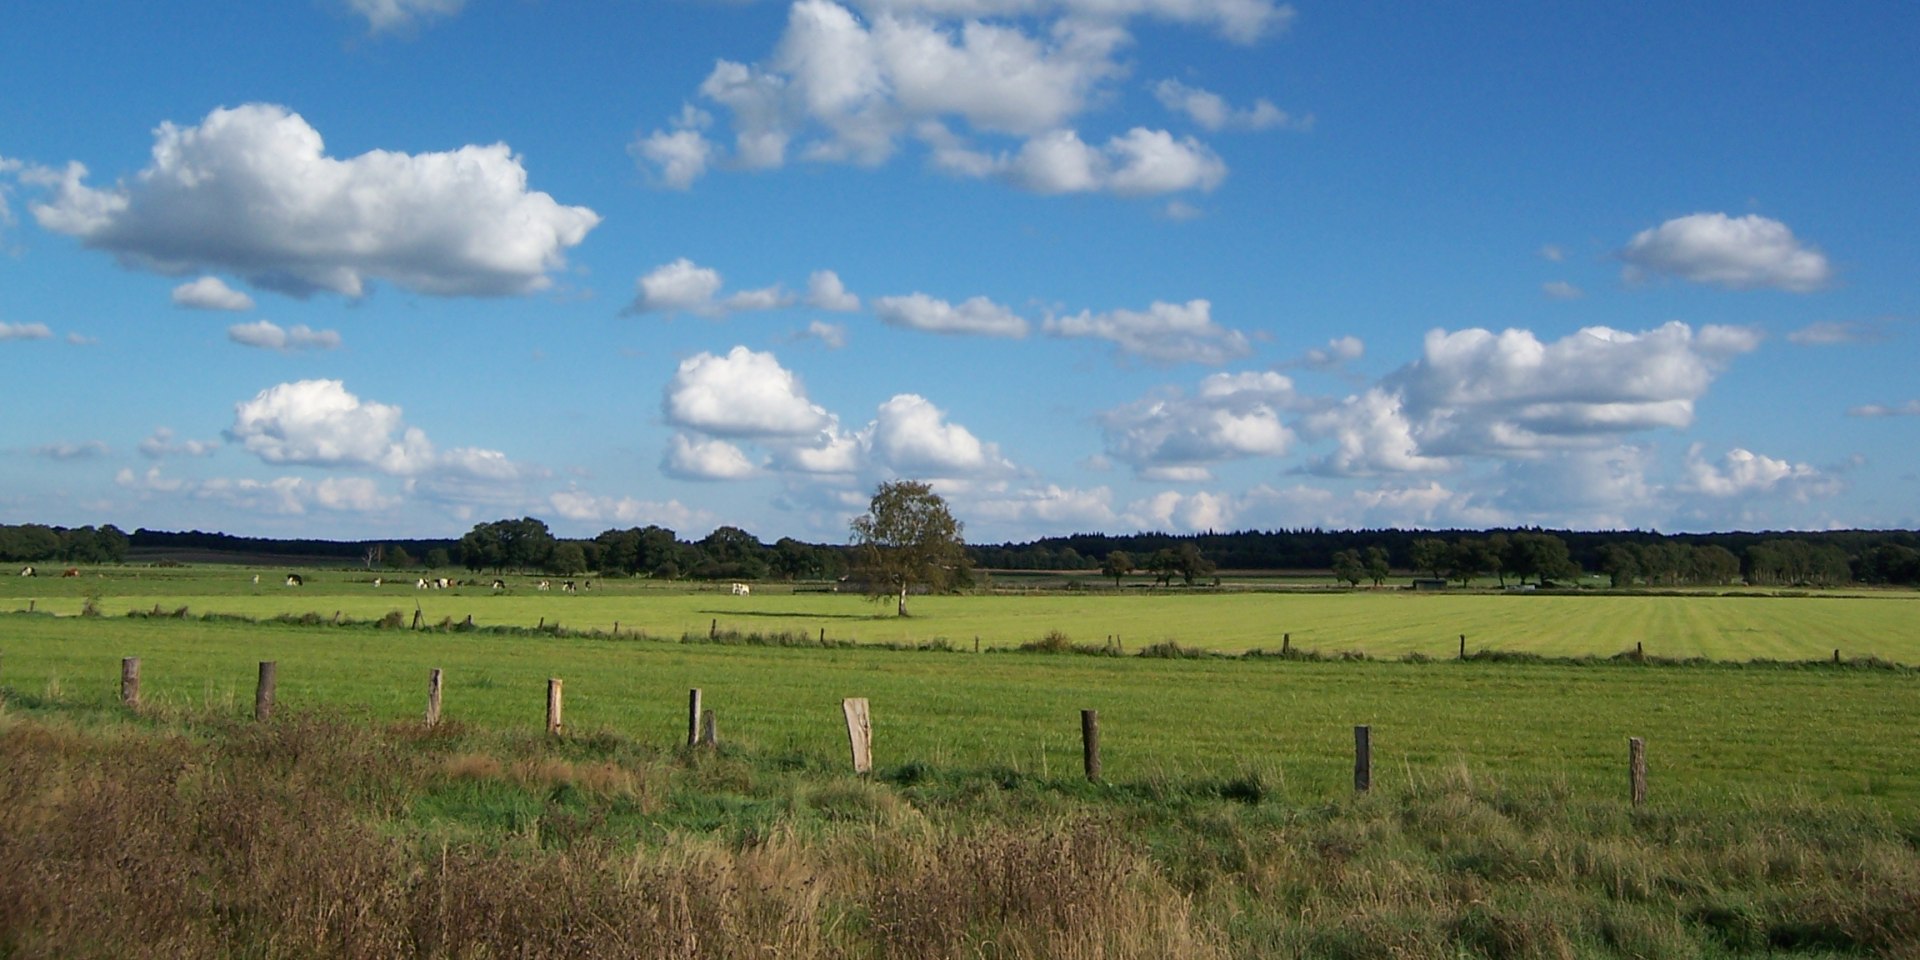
(741, 590)
(70, 572)
(543, 585)
(446, 584)
(567, 586)
(499, 584)
(376, 581)
(296, 580)
(256, 579)
(420, 584)
(27, 572)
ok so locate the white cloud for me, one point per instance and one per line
(826, 292)
(837, 88)
(691, 458)
(1175, 512)
(1212, 113)
(743, 394)
(1742, 253)
(834, 335)
(161, 444)
(87, 450)
(1174, 437)
(210, 293)
(1372, 435)
(682, 156)
(385, 15)
(975, 317)
(1743, 473)
(680, 285)
(251, 192)
(1475, 391)
(269, 336)
(1163, 333)
(1909, 409)
(587, 508)
(25, 331)
(912, 437)
(1338, 352)
(1561, 290)
(319, 423)
(1046, 508)
(1833, 333)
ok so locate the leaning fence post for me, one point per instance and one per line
(130, 681)
(1090, 743)
(859, 733)
(693, 716)
(1637, 769)
(1362, 758)
(433, 697)
(263, 691)
(553, 705)
(1463, 646)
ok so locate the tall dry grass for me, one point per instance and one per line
(184, 836)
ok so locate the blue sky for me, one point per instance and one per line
(383, 268)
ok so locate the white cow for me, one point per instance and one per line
(741, 590)
(544, 585)
(420, 584)
(27, 572)
(295, 580)
(376, 581)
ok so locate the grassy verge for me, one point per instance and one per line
(181, 832)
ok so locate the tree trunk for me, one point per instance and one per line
(902, 609)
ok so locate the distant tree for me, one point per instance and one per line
(1378, 565)
(507, 544)
(1432, 555)
(567, 559)
(1164, 565)
(1621, 563)
(1348, 567)
(907, 537)
(1714, 564)
(1192, 564)
(732, 553)
(439, 559)
(398, 558)
(1471, 557)
(1118, 564)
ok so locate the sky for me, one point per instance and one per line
(351, 269)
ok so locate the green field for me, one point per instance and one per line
(1382, 623)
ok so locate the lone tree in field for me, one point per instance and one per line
(907, 537)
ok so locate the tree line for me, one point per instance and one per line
(1626, 558)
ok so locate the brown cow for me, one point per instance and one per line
(70, 572)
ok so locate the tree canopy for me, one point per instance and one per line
(907, 538)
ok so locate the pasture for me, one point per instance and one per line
(1731, 625)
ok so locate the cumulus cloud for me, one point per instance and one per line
(1909, 409)
(288, 496)
(912, 437)
(1163, 333)
(742, 394)
(841, 88)
(826, 292)
(1561, 290)
(25, 331)
(684, 286)
(266, 335)
(210, 293)
(87, 450)
(834, 335)
(1741, 253)
(319, 423)
(1743, 473)
(691, 458)
(251, 192)
(975, 317)
(1475, 391)
(1372, 435)
(161, 444)
(1045, 508)
(387, 15)
(1212, 112)
(1174, 437)
(1183, 512)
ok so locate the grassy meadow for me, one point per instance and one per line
(1783, 816)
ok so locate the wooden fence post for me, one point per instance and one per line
(1463, 646)
(1362, 758)
(1286, 643)
(1637, 769)
(130, 681)
(433, 697)
(693, 716)
(1090, 743)
(553, 706)
(263, 691)
(859, 733)
(713, 629)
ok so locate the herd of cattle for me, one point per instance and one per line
(422, 583)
